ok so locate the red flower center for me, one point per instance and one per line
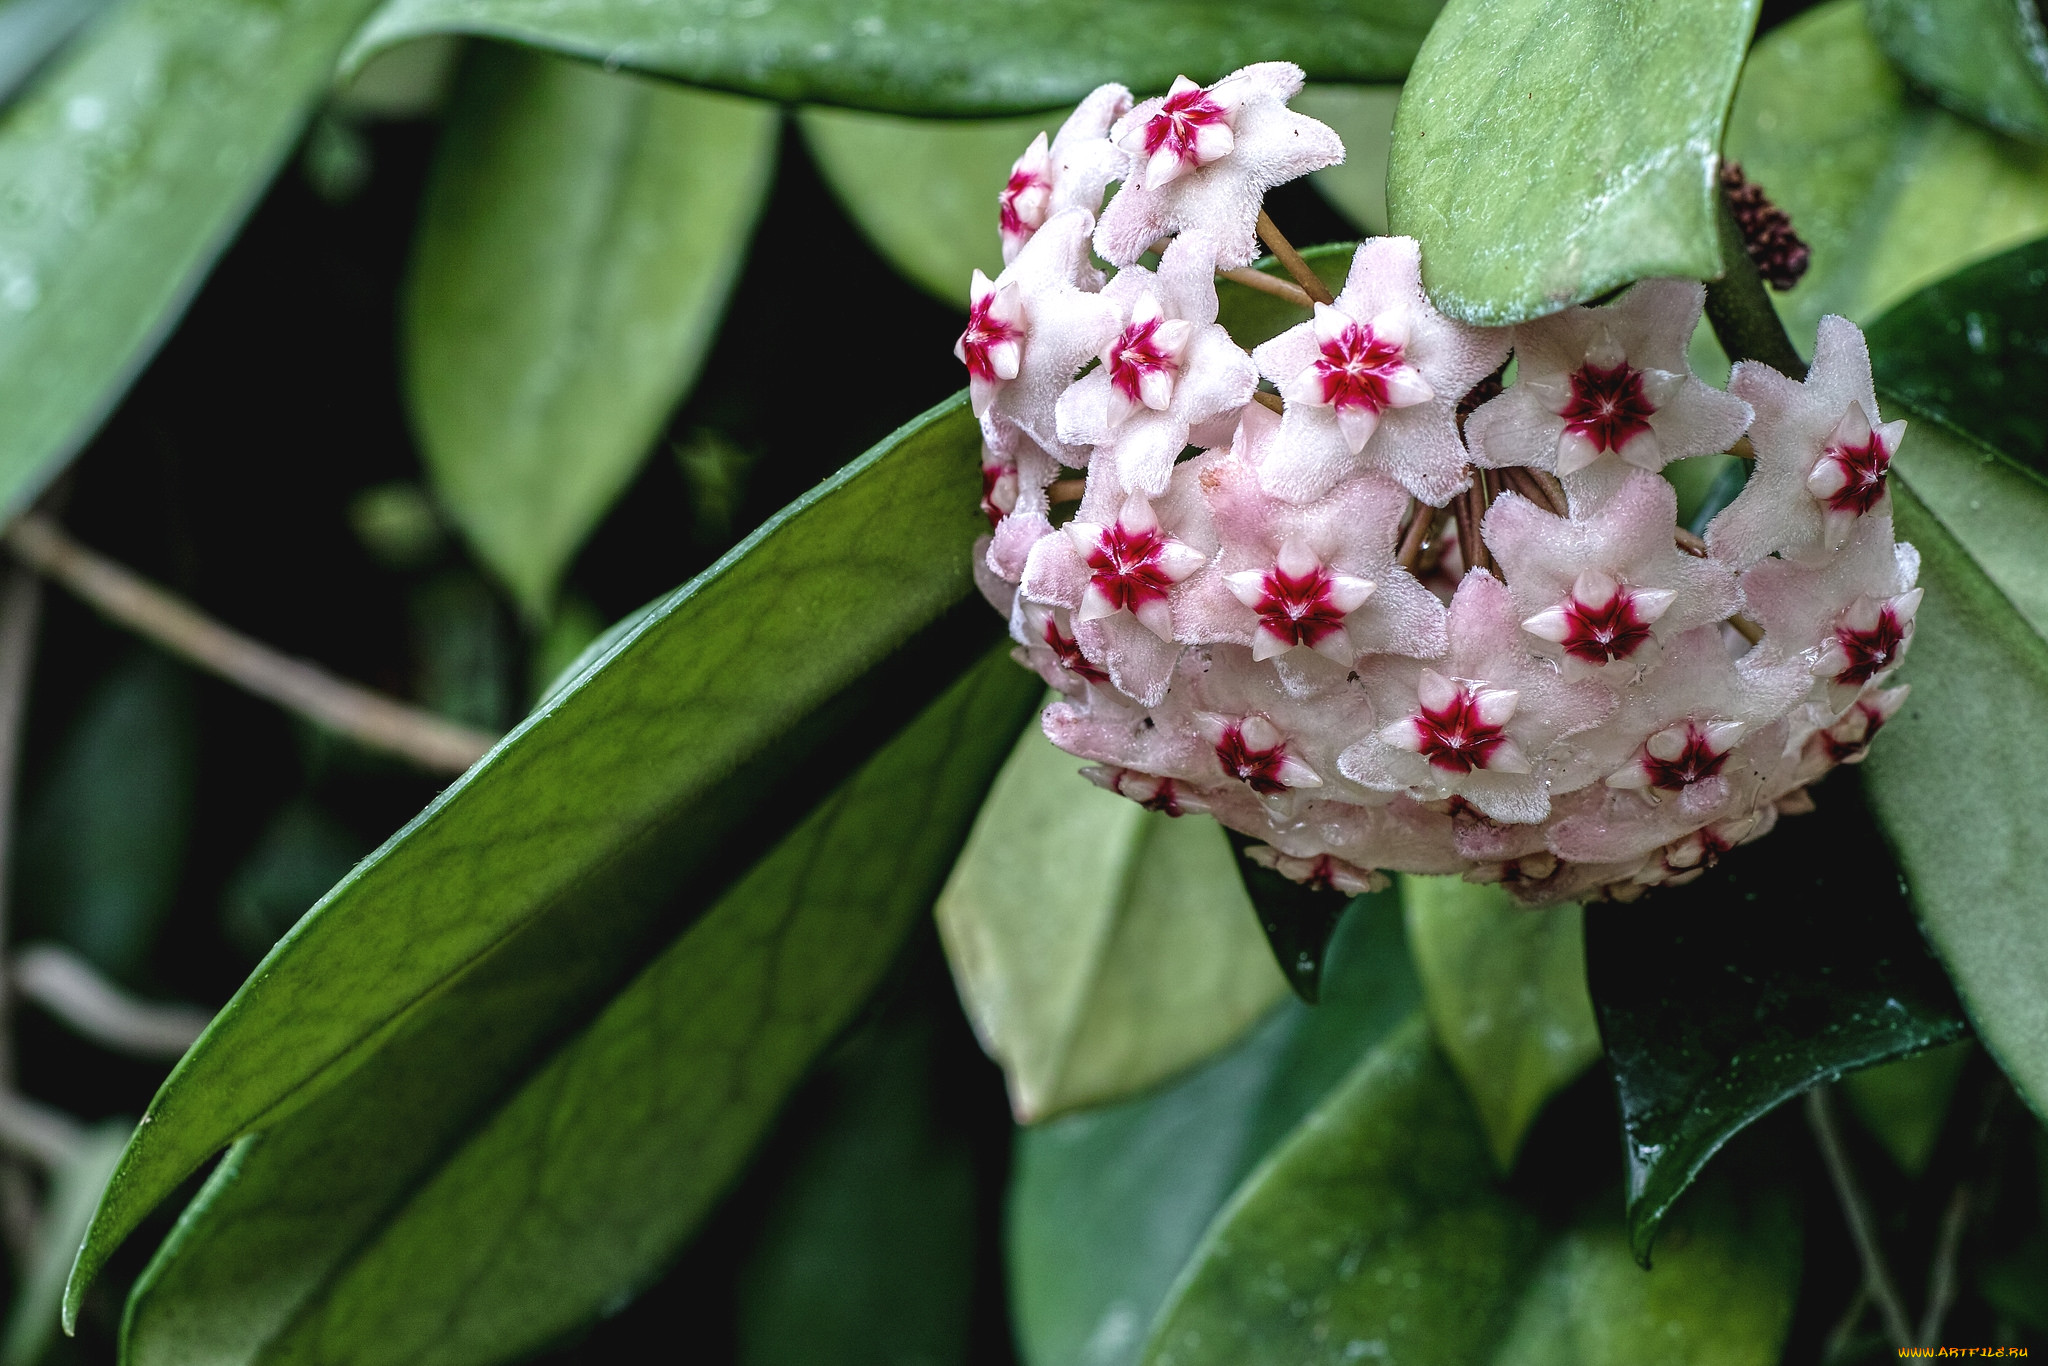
(998, 490)
(1611, 631)
(1454, 738)
(1873, 651)
(1069, 655)
(1863, 467)
(1179, 121)
(1695, 762)
(1607, 405)
(984, 333)
(1258, 769)
(1299, 609)
(1127, 568)
(1021, 183)
(1355, 367)
(1845, 741)
(1137, 354)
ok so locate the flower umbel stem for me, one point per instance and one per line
(1266, 284)
(1283, 250)
(1877, 1277)
(1739, 306)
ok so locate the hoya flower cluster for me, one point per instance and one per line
(1381, 613)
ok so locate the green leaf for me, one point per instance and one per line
(665, 765)
(934, 56)
(1983, 58)
(1376, 1231)
(1891, 193)
(923, 190)
(866, 1257)
(1099, 948)
(302, 853)
(1299, 920)
(32, 30)
(103, 842)
(1905, 1103)
(377, 1226)
(1793, 961)
(128, 167)
(1106, 1205)
(74, 1190)
(1505, 989)
(580, 234)
(1972, 350)
(1363, 116)
(1548, 152)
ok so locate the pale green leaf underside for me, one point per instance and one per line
(933, 56)
(1891, 193)
(577, 242)
(1984, 58)
(574, 1190)
(1545, 153)
(1505, 989)
(566, 842)
(1942, 779)
(1099, 948)
(127, 168)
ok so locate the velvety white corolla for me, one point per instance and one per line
(1372, 383)
(1848, 618)
(1200, 158)
(1822, 454)
(1071, 172)
(1169, 369)
(1600, 390)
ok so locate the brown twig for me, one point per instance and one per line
(1269, 400)
(73, 990)
(1267, 284)
(1421, 522)
(369, 718)
(1526, 482)
(1941, 1274)
(1746, 628)
(1820, 1117)
(1284, 252)
(1690, 543)
(1743, 449)
(1066, 490)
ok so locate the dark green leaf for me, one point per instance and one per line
(1905, 1103)
(935, 56)
(1505, 989)
(1298, 919)
(1548, 152)
(1972, 350)
(1107, 1204)
(1984, 58)
(1253, 317)
(1099, 948)
(381, 1224)
(302, 853)
(866, 1257)
(127, 169)
(665, 765)
(579, 237)
(103, 844)
(1792, 962)
(1892, 193)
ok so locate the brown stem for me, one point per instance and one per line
(1421, 522)
(1283, 250)
(1941, 1276)
(1067, 490)
(1690, 543)
(1266, 284)
(1742, 449)
(369, 718)
(1269, 400)
(1820, 1117)
(1530, 484)
(1746, 628)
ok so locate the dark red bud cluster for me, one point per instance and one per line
(1780, 257)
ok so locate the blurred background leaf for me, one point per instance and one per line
(1983, 58)
(577, 244)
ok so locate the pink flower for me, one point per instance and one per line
(1170, 368)
(1849, 618)
(1373, 383)
(1320, 871)
(1199, 158)
(1821, 455)
(1071, 173)
(1608, 386)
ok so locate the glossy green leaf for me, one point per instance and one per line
(103, 841)
(302, 853)
(924, 190)
(666, 764)
(1300, 920)
(128, 167)
(934, 56)
(866, 1256)
(1984, 58)
(346, 1232)
(1505, 990)
(1905, 1103)
(1377, 1231)
(1099, 948)
(579, 237)
(1548, 152)
(1106, 1205)
(74, 1190)
(1363, 116)
(1787, 964)
(1972, 350)
(1891, 193)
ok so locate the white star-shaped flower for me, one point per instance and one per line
(1070, 173)
(1373, 383)
(1197, 158)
